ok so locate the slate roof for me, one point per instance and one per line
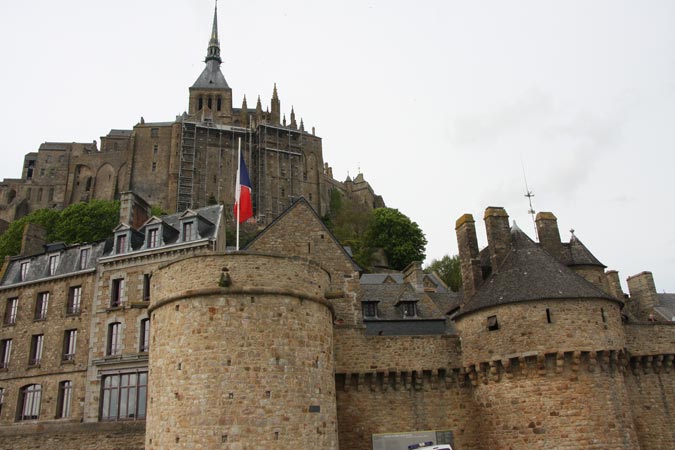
(124, 133)
(577, 254)
(530, 273)
(211, 77)
(666, 306)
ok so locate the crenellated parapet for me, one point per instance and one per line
(403, 380)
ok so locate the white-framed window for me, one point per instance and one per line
(121, 244)
(116, 291)
(11, 309)
(187, 231)
(5, 353)
(41, 306)
(114, 343)
(124, 396)
(144, 336)
(69, 345)
(36, 347)
(53, 264)
(23, 273)
(153, 238)
(74, 300)
(64, 400)
(29, 402)
(84, 258)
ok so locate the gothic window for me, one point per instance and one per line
(144, 340)
(10, 310)
(29, 402)
(36, 345)
(87, 187)
(124, 396)
(116, 292)
(64, 400)
(41, 305)
(114, 343)
(74, 300)
(69, 345)
(39, 196)
(209, 102)
(5, 353)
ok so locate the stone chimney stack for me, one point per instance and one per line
(469, 258)
(134, 210)
(414, 275)
(615, 284)
(549, 236)
(33, 240)
(643, 293)
(498, 235)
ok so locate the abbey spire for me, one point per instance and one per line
(213, 52)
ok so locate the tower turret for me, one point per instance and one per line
(210, 95)
(276, 107)
(294, 124)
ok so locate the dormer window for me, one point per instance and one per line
(187, 231)
(23, 274)
(153, 238)
(369, 310)
(84, 258)
(53, 264)
(121, 244)
(409, 309)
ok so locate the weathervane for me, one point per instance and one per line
(529, 194)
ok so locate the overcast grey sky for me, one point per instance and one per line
(437, 102)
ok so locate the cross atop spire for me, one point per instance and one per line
(213, 52)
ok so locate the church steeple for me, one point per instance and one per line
(213, 52)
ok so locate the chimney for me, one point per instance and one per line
(549, 236)
(643, 293)
(498, 235)
(614, 284)
(469, 258)
(33, 240)
(414, 275)
(134, 211)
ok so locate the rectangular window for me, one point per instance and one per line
(74, 300)
(64, 401)
(492, 324)
(69, 345)
(152, 238)
(124, 396)
(409, 309)
(187, 231)
(155, 149)
(41, 305)
(23, 276)
(53, 264)
(11, 310)
(154, 166)
(121, 244)
(369, 309)
(5, 353)
(144, 341)
(154, 132)
(146, 287)
(114, 345)
(36, 343)
(2, 399)
(116, 292)
(30, 397)
(84, 258)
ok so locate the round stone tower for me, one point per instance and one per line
(543, 348)
(241, 355)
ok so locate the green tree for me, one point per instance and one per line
(349, 221)
(87, 222)
(80, 222)
(448, 269)
(10, 240)
(401, 239)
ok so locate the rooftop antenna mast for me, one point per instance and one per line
(529, 194)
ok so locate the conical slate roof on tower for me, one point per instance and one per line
(530, 273)
(211, 77)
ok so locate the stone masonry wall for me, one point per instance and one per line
(524, 327)
(650, 338)
(241, 354)
(66, 436)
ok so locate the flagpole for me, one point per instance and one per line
(238, 190)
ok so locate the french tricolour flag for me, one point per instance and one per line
(243, 207)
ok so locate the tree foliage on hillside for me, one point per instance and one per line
(448, 269)
(401, 239)
(80, 222)
(365, 230)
